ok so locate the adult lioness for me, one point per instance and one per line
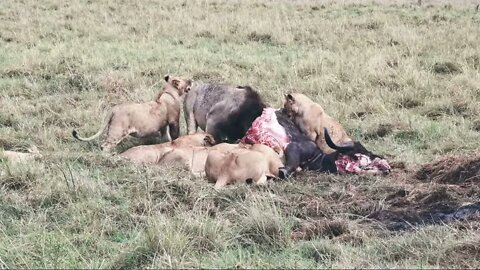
(246, 163)
(20, 157)
(153, 154)
(312, 120)
(224, 111)
(144, 119)
(194, 158)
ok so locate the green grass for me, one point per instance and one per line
(404, 79)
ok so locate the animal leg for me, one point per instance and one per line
(165, 132)
(262, 180)
(218, 123)
(107, 146)
(192, 125)
(296, 153)
(292, 160)
(173, 130)
(114, 137)
(221, 182)
(213, 129)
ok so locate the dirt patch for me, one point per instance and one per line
(446, 194)
(426, 204)
(451, 170)
(460, 255)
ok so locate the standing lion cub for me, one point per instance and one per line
(312, 120)
(147, 119)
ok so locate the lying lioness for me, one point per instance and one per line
(20, 157)
(312, 120)
(247, 163)
(194, 158)
(144, 119)
(153, 154)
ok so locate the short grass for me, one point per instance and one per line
(402, 78)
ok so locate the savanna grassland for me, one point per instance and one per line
(402, 78)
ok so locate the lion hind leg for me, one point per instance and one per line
(114, 137)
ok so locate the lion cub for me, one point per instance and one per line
(147, 119)
(312, 120)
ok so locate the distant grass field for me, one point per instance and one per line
(403, 79)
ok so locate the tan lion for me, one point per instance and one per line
(247, 163)
(20, 157)
(188, 151)
(193, 158)
(143, 120)
(312, 120)
(153, 154)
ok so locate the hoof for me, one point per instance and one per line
(283, 173)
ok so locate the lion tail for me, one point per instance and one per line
(76, 134)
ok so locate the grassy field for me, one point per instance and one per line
(404, 79)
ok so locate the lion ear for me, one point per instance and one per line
(209, 140)
(176, 83)
(290, 98)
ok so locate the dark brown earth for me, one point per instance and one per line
(443, 191)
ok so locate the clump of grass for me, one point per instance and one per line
(321, 251)
(173, 242)
(448, 108)
(381, 131)
(439, 18)
(261, 224)
(474, 61)
(320, 229)
(205, 34)
(409, 102)
(207, 76)
(14, 73)
(17, 178)
(134, 259)
(373, 25)
(263, 38)
(476, 125)
(446, 68)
